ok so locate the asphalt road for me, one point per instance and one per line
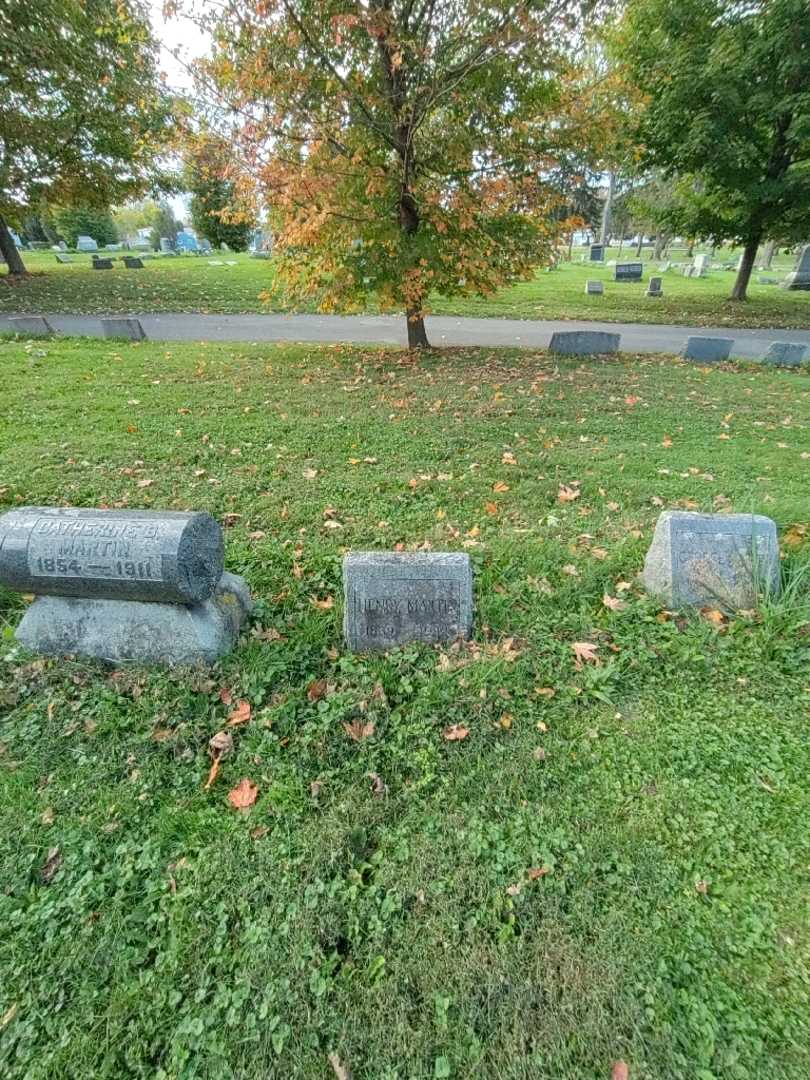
(442, 330)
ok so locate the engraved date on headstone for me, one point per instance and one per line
(95, 549)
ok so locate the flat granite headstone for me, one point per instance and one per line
(123, 328)
(723, 560)
(102, 264)
(63, 258)
(392, 598)
(785, 354)
(583, 342)
(594, 288)
(597, 253)
(132, 262)
(654, 287)
(708, 350)
(135, 631)
(631, 271)
(161, 556)
(32, 325)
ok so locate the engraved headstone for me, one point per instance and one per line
(800, 277)
(31, 325)
(163, 556)
(724, 560)
(654, 287)
(594, 288)
(63, 258)
(102, 264)
(707, 350)
(583, 342)
(392, 598)
(597, 253)
(631, 271)
(165, 244)
(701, 265)
(86, 243)
(785, 354)
(132, 262)
(123, 327)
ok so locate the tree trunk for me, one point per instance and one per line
(767, 254)
(690, 251)
(570, 246)
(8, 249)
(621, 245)
(746, 266)
(417, 335)
(607, 210)
(660, 244)
(640, 247)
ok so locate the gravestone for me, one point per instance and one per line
(132, 262)
(205, 247)
(64, 259)
(785, 354)
(31, 325)
(393, 598)
(583, 342)
(123, 327)
(165, 244)
(186, 241)
(654, 287)
(597, 253)
(628, 271)
(700, 265)
(707, 350)
(722, 560)
(101, 264)
(86, 243)
(667, 266)
(800, 277)
(139, 585)
(594, 288)
(763, 279)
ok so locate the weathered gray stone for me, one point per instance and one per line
(161, 556)
(654, 287)
(708, 350)
(764, 280)
(583, 342)
(63, 258)
(101, 264)
(123, 328)
(631, 271)
(723, 560)
(800, 277)
(136, 632)
(785, 354)
(597, 253)
(700, 265)
(594, 288)
(392, 598)
(132, 262)
(86, 243)
(31, 325)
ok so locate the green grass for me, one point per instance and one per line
(188, 283)
(403, 931)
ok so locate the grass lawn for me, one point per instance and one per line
(189, 283)
(612, 865)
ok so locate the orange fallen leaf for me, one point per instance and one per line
(316, 690)
(632, 400)
(491, 507)
(567, 494)
(326, 604)
(499, 487)
(243, 796)
(666, 442)
(508, 458)
(455, 733)
(713, 616)
(620, 1071)
(584, 652)
(241, 714)
(537, 872)
(614, 603)
(358, 731)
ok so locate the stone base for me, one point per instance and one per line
(130, 329)
(708, 350)
(797, 280)
(132, 631)
(31, 325)
(785, 354)
(583, 342)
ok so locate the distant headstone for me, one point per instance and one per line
(38, 245)
(62, 245)
(701, 265)
(785, 354)
(583, 342)
(102, 264)
(628, 271)
(63, 258)
(31, 325)
(654, 287)
(708, 350)
(187, 241)
(205, 247)
(113, 247)
(224, 247)
(86, 243)
(165, 244)
(393, 598)
(665, 268)
(800, 277)
(763, 279)
(594, 288)
(722, 560)
(597, 253)
(132, 262)
(124, 327)
(142, 245)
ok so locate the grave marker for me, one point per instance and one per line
(654, 287)
(707, 350)
(594, 288)
(583, 342)
(101, 264)
(800, 277)
(31, 325)
(597, 253)
(632, 271)
(785, 354)
(128, 328)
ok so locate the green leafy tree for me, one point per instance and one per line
(75, 221)
(164, 223)
(83, 115)
(215, 207)
(402, 147)
(728, 115)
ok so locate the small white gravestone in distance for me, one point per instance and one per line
(594, 288)
(722, 560)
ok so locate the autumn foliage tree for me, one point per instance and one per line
(83, 115)
(403, 146)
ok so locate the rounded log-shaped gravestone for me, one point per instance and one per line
(152, 555)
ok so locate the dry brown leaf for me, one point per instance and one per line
(358, 731)
(309, 474)
(47, 816)
(315, 788)
(536, 872)
(514, 890)
(378, 785)
(499, 487)
(221, 744)
(225, 696)
(341, 1071)
(455, 733)
(241, 714)
(584, 652)
(51, 865)
(491, 507)
(316, 690)
(620, 1071)
(259, 832)
(506, 721)
(545, 691)
(613, 603)
(714, 616)
(666, 442)
(243, 796)
(508, 458)
(570, 570)
(326, 604)
(567, 494)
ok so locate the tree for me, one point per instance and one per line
(728, 114)
(84, 114)
(75, 221)
(164, 223)
(215, 210)
(403, 145)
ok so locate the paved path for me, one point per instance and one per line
(442, 330)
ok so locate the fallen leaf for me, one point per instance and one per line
(51, 865)
(257, 535)
(713, 616)
(567, 494)
(378, 785)
(539, 753)
(614, 603)
(225, 696)
(47, 816)
(508, 458)
(537, 872)
(315, 788)
(584, 652)
(455, 733)
(243, 796)
(241, 714)
(341, 1071)
(358, 731)
(309, 474)
(620, 1071)
(666, 442)
(545, 691)
(8, 1015)
(570, 570)
(491, 507)
(145, 483)
(632, 400)
(506, 721)
(259, 832)
(702, 887)
(599, 553)
(316, 690)
(514, 890)
(499, 487)
(330, 523)
(221, 744)
(326, 604)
